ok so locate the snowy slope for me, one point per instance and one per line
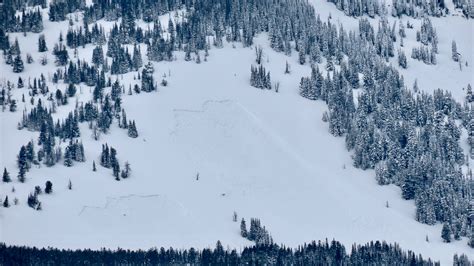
(259, 153)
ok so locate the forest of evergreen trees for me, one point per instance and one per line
(410, 138)
(314, 253)
(412, 8)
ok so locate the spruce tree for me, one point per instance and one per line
(98, 56)
(148, 83)
(42, 44)
(48, 187)
(6, 204)
(126, 171)
(243, 228)
(22, 164)
(32, 200)
(6, 176)
(20, 83)
(137, 58)
(18, 65)
(116, 171)
(446, 233)
(71, 90)
(454, 51)
(132, 130)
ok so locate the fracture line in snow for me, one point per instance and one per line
(109, 200)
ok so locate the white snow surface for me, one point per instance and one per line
(259, 153)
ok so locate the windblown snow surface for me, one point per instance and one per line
(259, 153)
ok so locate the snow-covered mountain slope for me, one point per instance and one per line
(259, 153)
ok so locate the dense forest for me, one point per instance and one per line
(314, 253)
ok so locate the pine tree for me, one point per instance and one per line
(18, 64)
(105, 156)
(48, 187)
(42, 44)
(32, 200)
(137, 58)
(301, 56)
(69, 185)
(20, 83)
(6, 204)
(38, 190)
(116, 171)
(254, 229)
(61, 54)
(243, 229)
(6, 176)
(71, 90)
(22, 164)
(148, 83)
(126, 172)
(287, 68)
(132, 129)
(13, 106)
(124, 123)
(446, 233)
(98, 56)
(402, 59)
(29, 58)
(454, 52)
(15, 48)
(93, 166)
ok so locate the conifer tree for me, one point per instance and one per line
(6, 204)
(98, 55)
(6, 176)
(71, 90)
(148, 83)
(22, 164)
(301, 56)
(126, 171)
(42, 44)
(20, 83)
(243, 228)
(18, 65)
(32, 200)
(137, 58)
(454, 52)
(116, 171)
(48, 187)
(402, 59)
(132, 129)
(446, 233)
